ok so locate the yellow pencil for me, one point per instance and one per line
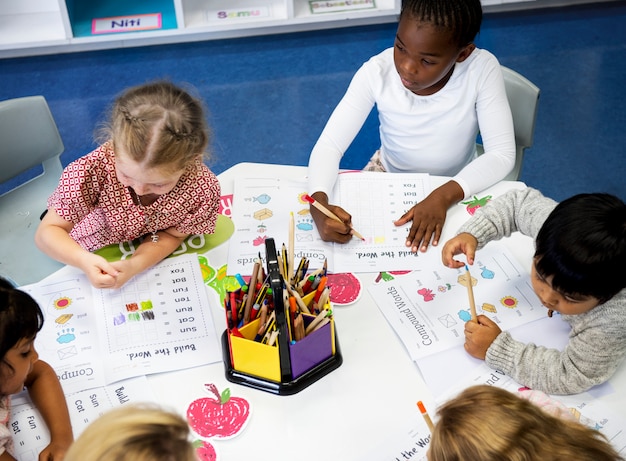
(470, 293)
(330, 214)
(291, 249)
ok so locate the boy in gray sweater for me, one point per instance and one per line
(577, 271)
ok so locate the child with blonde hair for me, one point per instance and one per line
(486, 423)
(433, 90)
(20, 321)
(147, 180)
(134, 432)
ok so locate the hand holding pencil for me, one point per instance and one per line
(333, 223)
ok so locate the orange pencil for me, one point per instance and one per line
(318, 293)
(424, 413)
(293, 308)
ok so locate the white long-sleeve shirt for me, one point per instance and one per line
(433, 134)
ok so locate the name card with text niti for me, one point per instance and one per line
(133, 23)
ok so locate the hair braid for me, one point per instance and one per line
(461, 17)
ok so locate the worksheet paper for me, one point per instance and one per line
(405, 440)
(551, 332)
(30, 434)
(409, 438)
(262, 208)
(428, 307)
(159, 321)
(586, 408)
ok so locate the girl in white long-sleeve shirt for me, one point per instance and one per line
(433, 90)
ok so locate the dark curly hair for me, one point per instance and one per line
(20, 317)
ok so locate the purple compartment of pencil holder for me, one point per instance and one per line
(312, 350)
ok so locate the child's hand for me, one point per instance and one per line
(329, 229)
(461, 244)
(126, 270)
(479, 335)
(55, 451)
(428, 217)
(99, 271)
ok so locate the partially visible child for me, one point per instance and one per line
(20, 321)
(577, 271)
(147, 179)
(486, 423)
(134, 432)
(434, 90)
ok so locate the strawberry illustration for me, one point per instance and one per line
(476, 203)
(221, 416)
(204, 450)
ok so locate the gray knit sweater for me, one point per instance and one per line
(597, 340)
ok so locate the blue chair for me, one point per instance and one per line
(30, 140)
(523, 96)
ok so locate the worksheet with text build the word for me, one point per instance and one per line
(159, 321)
(262, 208)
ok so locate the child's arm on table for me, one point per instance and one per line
(53, 238)
(47, 395)
(590, 358)
(147, 255)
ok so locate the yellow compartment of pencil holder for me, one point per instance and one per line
(263, 361)
(252, 357)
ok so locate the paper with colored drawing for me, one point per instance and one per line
(159, 321)
(262, 207)
(428, 308)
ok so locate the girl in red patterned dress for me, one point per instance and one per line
(146, 180)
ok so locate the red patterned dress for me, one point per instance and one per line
(103, 211)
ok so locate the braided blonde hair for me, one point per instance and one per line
(158, 125)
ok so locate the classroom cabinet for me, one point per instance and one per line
(35, 27)
(32, 27)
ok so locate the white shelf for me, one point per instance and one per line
(39, 27)
(31, 23)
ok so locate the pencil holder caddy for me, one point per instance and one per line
(286, 367)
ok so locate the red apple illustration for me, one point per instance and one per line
(204, 450)
(476, 203)
(345, 288)
(221, 416)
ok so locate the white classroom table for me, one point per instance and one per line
(355, 407)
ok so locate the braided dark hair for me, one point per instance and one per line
(461, 17)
